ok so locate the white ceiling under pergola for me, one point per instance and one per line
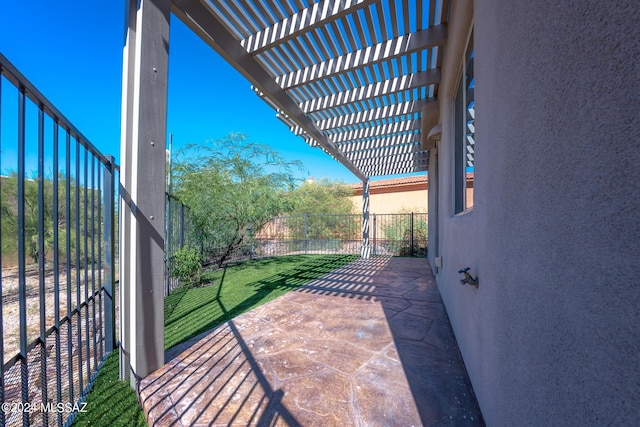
(348, 76)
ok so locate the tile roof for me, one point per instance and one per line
(394, 182)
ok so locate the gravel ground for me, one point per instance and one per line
(11, 306)
(77, 360)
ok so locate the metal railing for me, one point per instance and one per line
(310, 233)
(402, 234)
(57, 282)
(178, 233)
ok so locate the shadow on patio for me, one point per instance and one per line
(369, 344)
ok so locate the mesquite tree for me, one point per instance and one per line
(232, 188)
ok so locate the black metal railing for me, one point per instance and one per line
(309, 233)
(178, 233)
(402, 234)
(58, 276)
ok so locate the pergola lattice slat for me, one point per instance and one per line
(398, 171)
(391, 168)
(388, 111)
(377, 53)
(306, 20)
(394, 168)
(377, 160)
(374, 90)
(383, 153)
(371, 143)
(386, 129)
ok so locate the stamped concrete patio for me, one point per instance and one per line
(369, 344)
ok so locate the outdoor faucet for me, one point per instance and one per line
(468, 278)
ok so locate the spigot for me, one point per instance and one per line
(468, 278)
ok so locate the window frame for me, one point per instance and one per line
(463, 150)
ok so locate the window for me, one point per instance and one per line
(465, 134)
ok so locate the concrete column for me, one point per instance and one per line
(365, 252)
(142, 186)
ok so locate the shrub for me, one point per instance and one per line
(397, 235)
(186, 264)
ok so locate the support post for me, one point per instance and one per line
(142, 180)
(365, 252)
(109, 250)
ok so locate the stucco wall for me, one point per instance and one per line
(551, 337)
(385, 203)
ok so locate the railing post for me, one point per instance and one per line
(167, 245)
(306, 235)
(365, 252)
(181, 225)
(411, 234)
(375, 228)
(22, 283)
(108, 197)
(41, 263)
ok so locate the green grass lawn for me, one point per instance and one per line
(111, 402)
(223, 295)
(237, 289)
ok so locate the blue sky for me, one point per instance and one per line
(71, 51)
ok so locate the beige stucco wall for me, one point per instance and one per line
(385, 203)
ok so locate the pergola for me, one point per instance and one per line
(357, 78)
(351, 77)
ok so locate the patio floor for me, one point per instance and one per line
(369, 344)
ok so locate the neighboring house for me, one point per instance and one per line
(394, 195)
(399, 195)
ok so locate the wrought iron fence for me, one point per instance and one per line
(57, 282)
(309, 233)
(403, 234)
(178, 233)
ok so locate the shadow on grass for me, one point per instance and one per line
(190, 312)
